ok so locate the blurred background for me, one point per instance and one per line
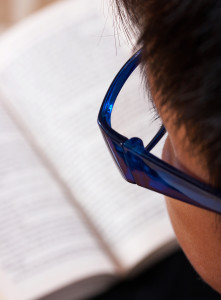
(11, 11)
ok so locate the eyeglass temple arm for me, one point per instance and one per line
(156, 139)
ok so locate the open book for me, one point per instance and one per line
(70, 226)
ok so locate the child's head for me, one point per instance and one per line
(181, 43)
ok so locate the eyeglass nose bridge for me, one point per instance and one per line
(116, 149)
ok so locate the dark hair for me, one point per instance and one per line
(181, 42)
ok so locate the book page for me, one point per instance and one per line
(45, 245)
(55, 83)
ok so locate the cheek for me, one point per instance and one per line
(181, 224)
(168, 152)
(180, 213)
(176, 213)
(166, 155)
(173, 206)
(199, 238)
(196, 232)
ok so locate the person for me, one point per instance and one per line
(181, 58)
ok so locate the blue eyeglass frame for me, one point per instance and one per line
(139, 166)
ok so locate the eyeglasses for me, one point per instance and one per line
(139, 166)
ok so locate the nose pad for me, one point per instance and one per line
(135, 163)
(136, 143)
(133, 144)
